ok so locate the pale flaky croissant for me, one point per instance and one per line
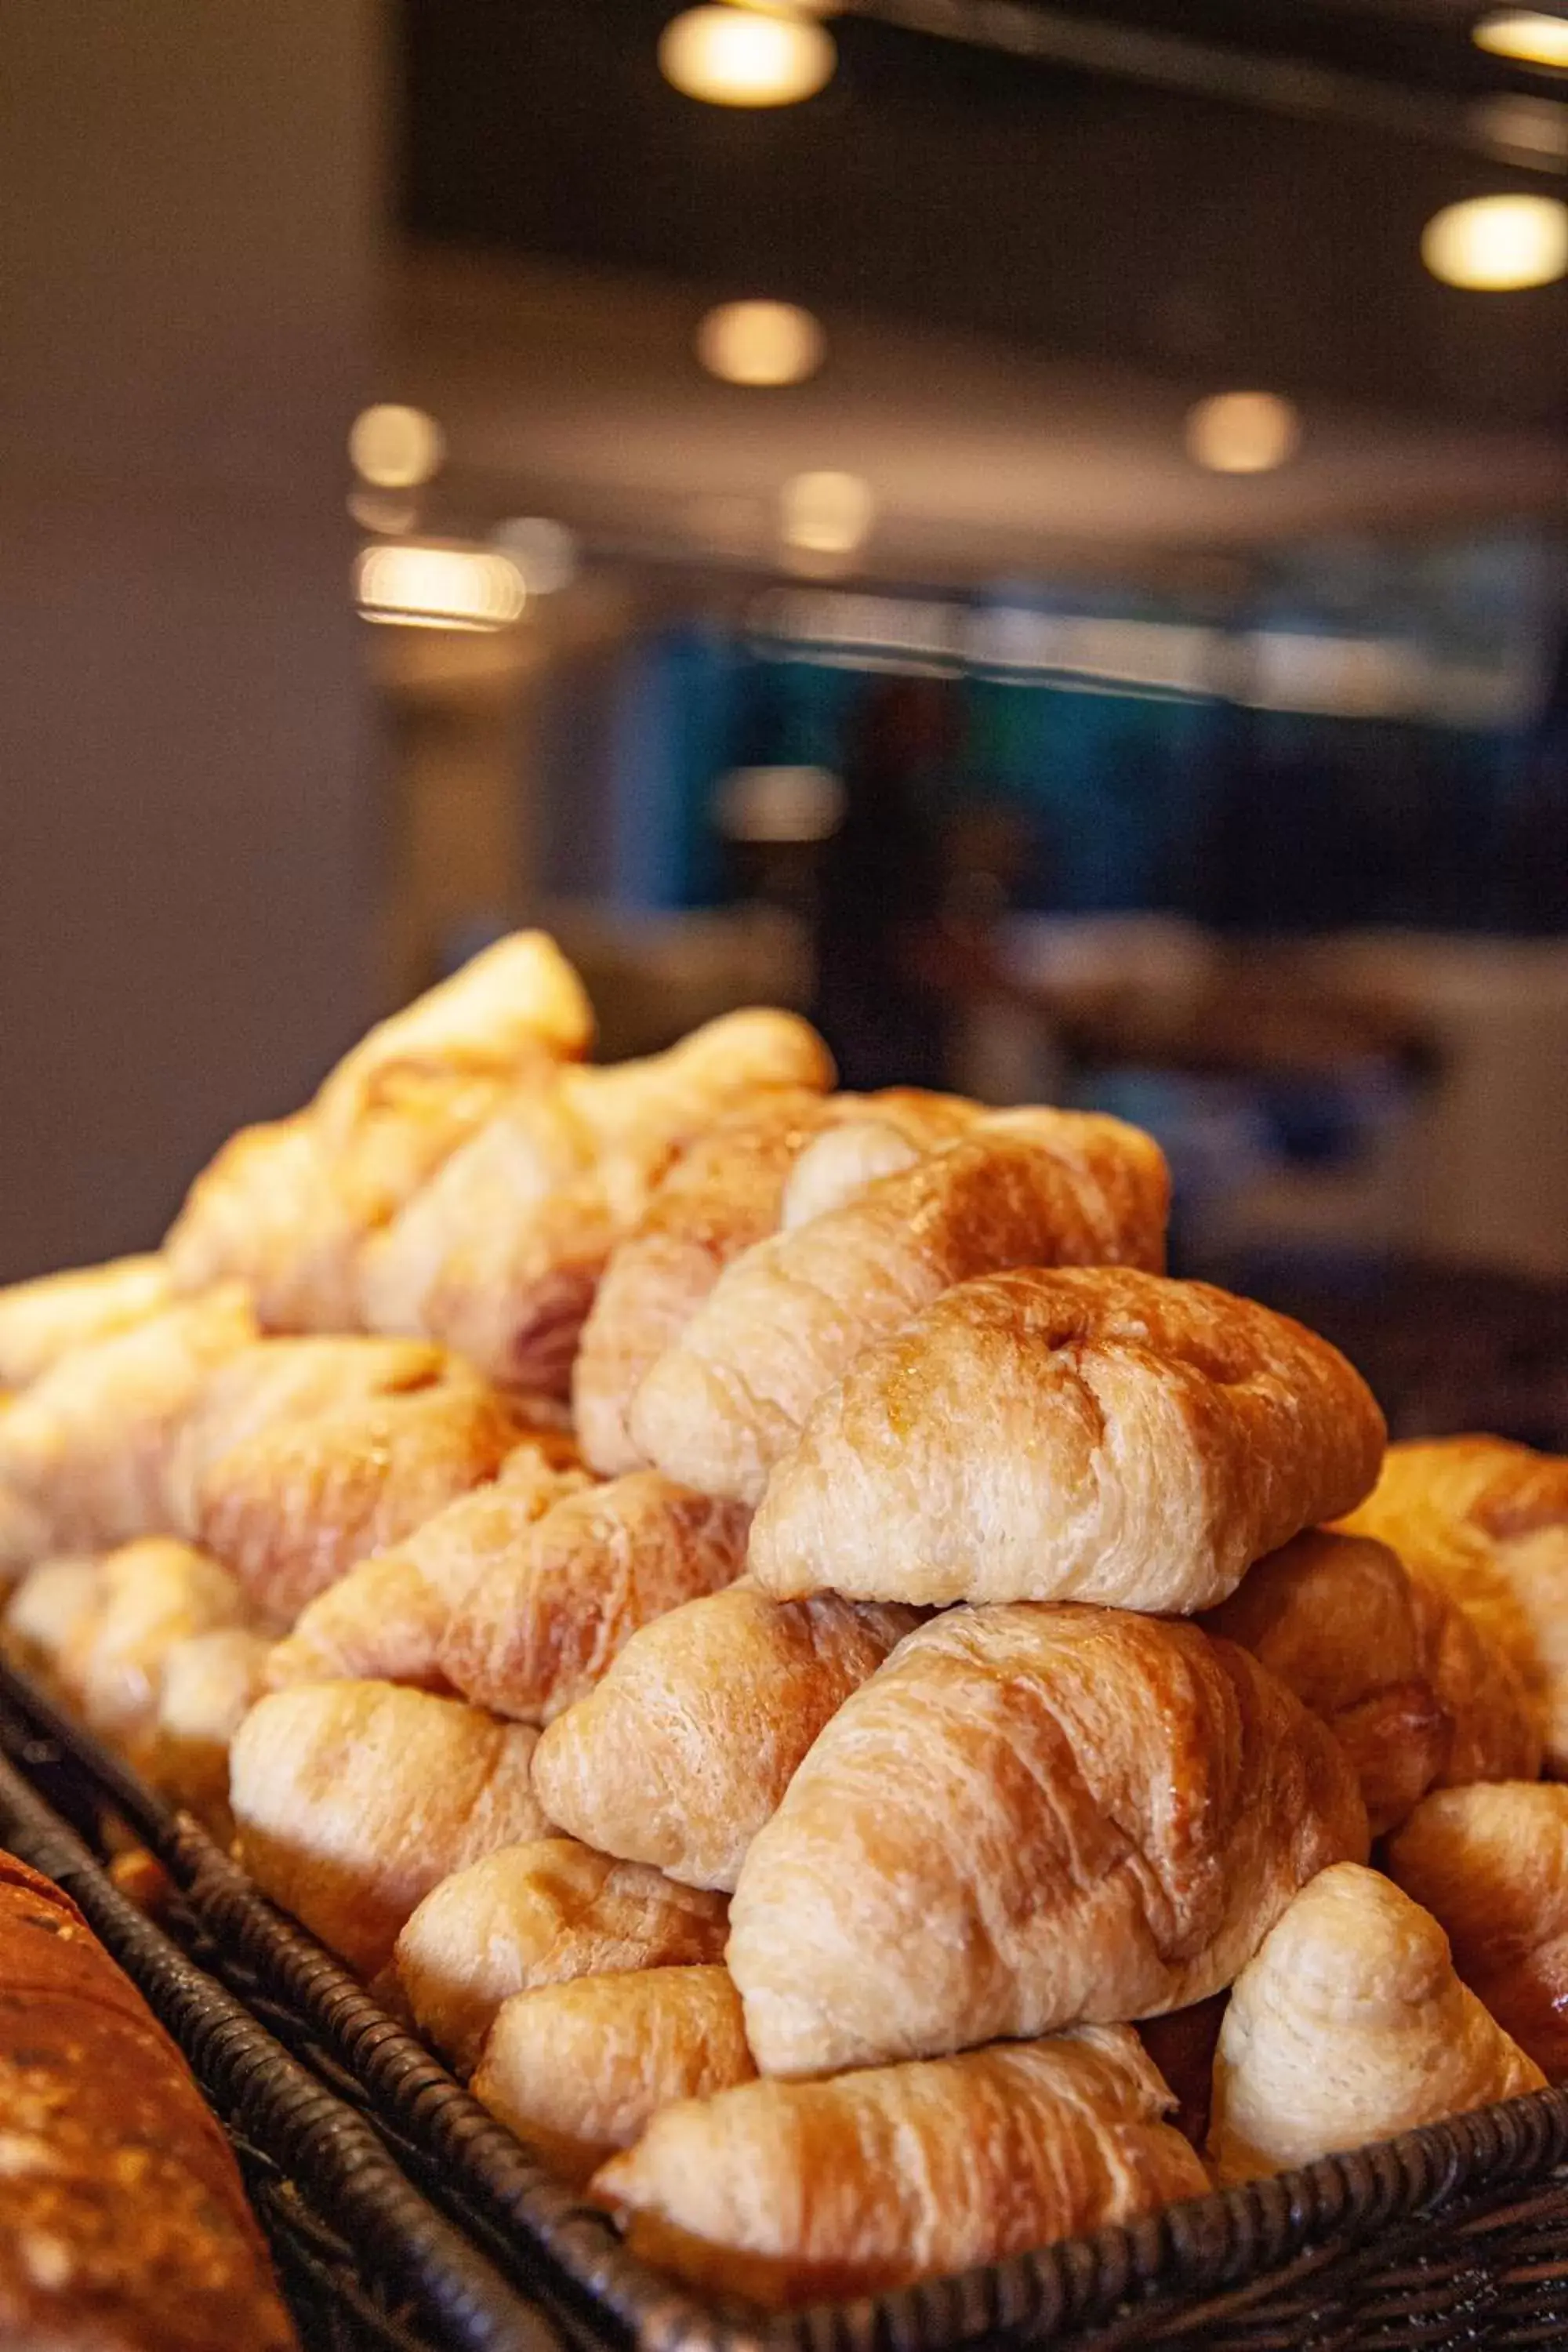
(1031, 1817)
(85, 1451)
(48, 1616)
(354, 1800)
(1490, 1864)
(501, 1253)
(788, 1319)
(581, 2069)
(542, 1625)
(42, 1320)
(1350, 2025)
(152, 1595)
(1488, 1522)
(1418, 1695)
(1081, 1433)
(386, 1620)
(688, 1743)
(725, 1192)
(803, 2192)
(539, 1914)
(208, 1686)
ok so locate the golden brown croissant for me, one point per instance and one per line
(1082, 1434)
(1488, 1521)
(42, 1320)
(210, 1682)
(1350, 2025)
(266, 1211)
(799, 2192)
(354, 1800)
(540, 1626)
(1491, 1863)
(386, 1619)
(725, 1192)
(86, 1449)
(1030, 1817)
(688, 1743)
(501, 1253)
(151, 1595)
(581, 2069)
(787, 1319)
(48, 1614)
(538, 1914)
(293, 1506)
(1417, 1695)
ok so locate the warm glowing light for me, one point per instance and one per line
(760, 343)
(824, 514)
(1526, 34)
(1242, 431)
(396, 447)
(383, 512)
(737, 56)
(1531, 130)
(1495, 244)
(439, 587)
(545, 552)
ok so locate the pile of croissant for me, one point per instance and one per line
(850, 1707)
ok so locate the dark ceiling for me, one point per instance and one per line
(1080, 213)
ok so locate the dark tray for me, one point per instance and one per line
(1453, 2236)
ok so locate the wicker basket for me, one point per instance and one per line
(1453, 2236)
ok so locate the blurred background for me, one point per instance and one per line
(1035, 534)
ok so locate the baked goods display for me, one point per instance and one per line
(766, 1623)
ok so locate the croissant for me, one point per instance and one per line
(539, 1914)
(151, 1595)
(1417, 1695)
(49, 1614)
(1488, 1521)
(386, 1619)
(209, 1684)
(723, 1192)
(787, 1319)
(266, 1210)
(292, 1508)
(1349, 2025)
(580, 2069)
(1070, 1815)
(354, 1800)
(1491, 1863)
(42, 1320)
(1141, 1442)
(542, 1625)
(85, 1450)
(688, 1743)
(501, 1253)
(799, 2192)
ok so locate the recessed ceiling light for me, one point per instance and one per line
(1242, 431)
(731, 55)
(396, 447)
(1526, 34)
(824, 514)
(439, 587)
(1496, 244)
(760, 343)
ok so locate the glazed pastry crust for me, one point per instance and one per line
(795, 2193)
(354, 1800)
(1070, 1814)
(1418, 1695)
(580, 2069)
(540, 1626)
(788, 1319)
(1487, 1522)
(1491, 1863)
(1349, 2025)
(688, 1743)
(42, 1320)
(537, 1914)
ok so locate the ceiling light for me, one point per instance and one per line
(545, 552)
(737, 56)
(824, 514)
(1494, 244)
(760, 343)
(1525, 34)
(396, 447)
(439, 587)
(1242, 431)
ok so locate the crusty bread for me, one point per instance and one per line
(788, 1319)
(802, 2192)
(1030, 1817)
(1076, 1434)
(42, 1320)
